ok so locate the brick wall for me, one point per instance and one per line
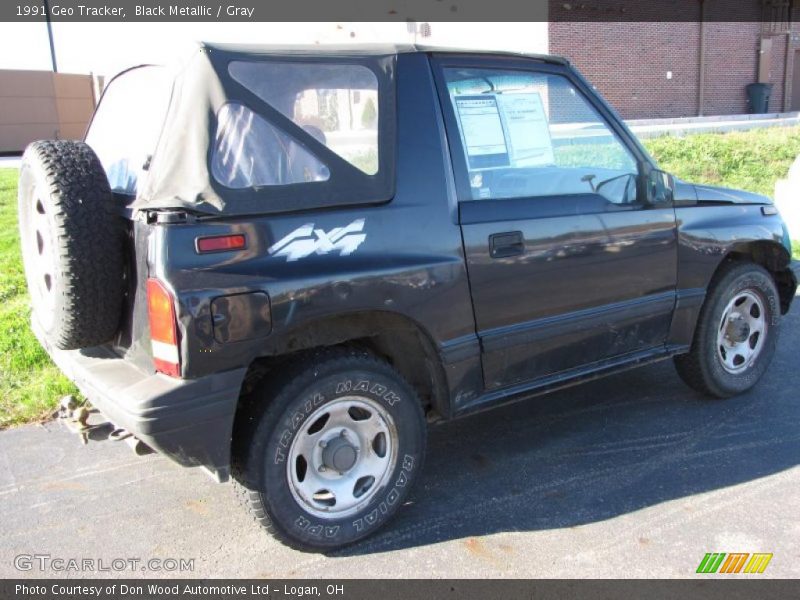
(629, 61)
(731, 64)
(777, 73)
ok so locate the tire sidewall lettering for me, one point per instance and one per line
(387, 500)
(367, 521)
(755, 282)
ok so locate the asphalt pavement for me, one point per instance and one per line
(630, 476)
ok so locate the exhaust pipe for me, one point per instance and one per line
(138, 446)
(76, 418)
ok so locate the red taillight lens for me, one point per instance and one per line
(220, 243)
(163, 328)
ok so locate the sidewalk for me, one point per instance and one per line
(10, 162)
(649, 128)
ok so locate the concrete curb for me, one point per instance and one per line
(650, 128)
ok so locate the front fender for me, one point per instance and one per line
(708, 235)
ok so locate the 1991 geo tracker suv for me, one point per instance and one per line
(280, 262)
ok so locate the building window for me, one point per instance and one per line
(776, 17)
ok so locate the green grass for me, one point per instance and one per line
(750, 160)
(604, 155)
(367, 161)
(30, 385)
(796, 249)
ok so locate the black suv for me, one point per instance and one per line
(280, 263)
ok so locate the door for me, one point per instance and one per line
(569, 265)
(795, 106)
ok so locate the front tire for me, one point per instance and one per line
(736, 333)
(335, 451)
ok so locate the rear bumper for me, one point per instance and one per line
(188, 420)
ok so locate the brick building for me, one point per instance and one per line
(696, 64)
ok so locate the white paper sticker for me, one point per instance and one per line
(483, 132)
(528, 130)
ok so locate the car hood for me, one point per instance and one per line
(716, 194)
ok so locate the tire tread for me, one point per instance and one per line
(89, 242)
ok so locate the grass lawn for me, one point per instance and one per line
(30, 385)
(749, 160)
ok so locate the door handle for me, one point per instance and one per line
(506, 244)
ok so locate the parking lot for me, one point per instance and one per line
(630, 476)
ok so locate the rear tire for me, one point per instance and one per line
(311, 486)
(736, 333)
(72, 239)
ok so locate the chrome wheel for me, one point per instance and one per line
(342, 456)
(741, 332)
(41, 264)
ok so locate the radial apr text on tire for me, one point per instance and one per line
(335, 450)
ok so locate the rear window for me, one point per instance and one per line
(336, 104)
(126, 125)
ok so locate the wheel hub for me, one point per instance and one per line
(742, 331)
(342, 456)
(339, 454)
(738, 330)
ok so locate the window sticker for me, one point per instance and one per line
(482, 129)
(505, 130)
(528, 131)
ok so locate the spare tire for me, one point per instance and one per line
(72, 237)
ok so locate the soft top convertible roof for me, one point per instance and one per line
(370, 50)
(179, 173)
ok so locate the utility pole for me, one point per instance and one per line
(50, 35)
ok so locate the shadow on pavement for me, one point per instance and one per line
(597, 451)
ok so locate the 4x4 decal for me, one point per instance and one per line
(306, 240)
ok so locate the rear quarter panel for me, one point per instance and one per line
(409, 262)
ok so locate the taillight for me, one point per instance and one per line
(220, 243)
(163, 328)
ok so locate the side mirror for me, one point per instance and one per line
(660, 187)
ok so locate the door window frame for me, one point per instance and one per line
(440, 62)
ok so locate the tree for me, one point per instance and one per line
(369, 115)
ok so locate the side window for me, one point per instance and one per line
(249, 152)
(530, 134)
(336, 103)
